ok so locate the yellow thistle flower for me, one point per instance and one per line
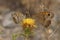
(29, 21)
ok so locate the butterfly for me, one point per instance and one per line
(17, 17)
(43, 18)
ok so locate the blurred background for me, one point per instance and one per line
(33, 7)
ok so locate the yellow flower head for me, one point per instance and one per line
(29, 21)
